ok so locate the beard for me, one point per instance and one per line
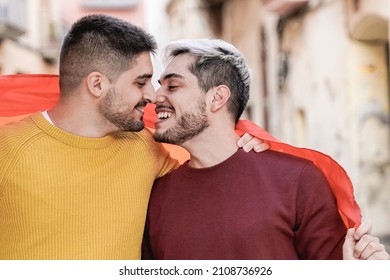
(187, 127)
(119, 115)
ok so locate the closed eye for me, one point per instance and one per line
(171, 87)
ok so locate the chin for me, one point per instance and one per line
(135, 127)
(160, 137)
(160, 130)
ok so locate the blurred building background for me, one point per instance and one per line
(320, 68)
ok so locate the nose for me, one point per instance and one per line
(150, 93)
(160, 95)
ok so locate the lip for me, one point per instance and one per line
(164, 109)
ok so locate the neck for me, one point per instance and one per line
(74, 119)
(206, 153)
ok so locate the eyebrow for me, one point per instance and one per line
(170, 75)
(145, 76)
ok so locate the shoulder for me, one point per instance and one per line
(160, 155)
(142, 138)
(171, 179)
(145, 134)
(15, 139)
(17, 132)
(279, 160)
(145, 137)
(279, 168)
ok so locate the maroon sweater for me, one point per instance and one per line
(251, 206)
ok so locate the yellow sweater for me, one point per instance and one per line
(68, 197)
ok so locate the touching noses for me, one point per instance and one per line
(160, 95)
(150, 94)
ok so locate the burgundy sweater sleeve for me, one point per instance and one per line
(319, 229)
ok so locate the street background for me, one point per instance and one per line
(320, 68)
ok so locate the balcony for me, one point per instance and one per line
(283, 7)
(12, 18)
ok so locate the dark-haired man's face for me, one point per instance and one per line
(123, 105)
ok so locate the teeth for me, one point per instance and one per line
(164, 115)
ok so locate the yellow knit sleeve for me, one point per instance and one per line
(14, 140)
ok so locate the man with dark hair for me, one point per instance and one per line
(92, 45)
(222, 204)
(75, 180)
(105, 51)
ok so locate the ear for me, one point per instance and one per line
(97, 83)
(221, 95)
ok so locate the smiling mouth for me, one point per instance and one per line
(164, 115)
(164, 112)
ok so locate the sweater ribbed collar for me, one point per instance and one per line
(72, 139)
(224, 166)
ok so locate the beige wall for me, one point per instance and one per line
(369, 90)
(186, 21)
(336, 96)
(244, 32)
(19, 59)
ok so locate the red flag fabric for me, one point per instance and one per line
(21, 95)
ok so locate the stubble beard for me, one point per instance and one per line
(109, 108)
(187, 127)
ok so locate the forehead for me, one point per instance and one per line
(179, 65)
(142, 65)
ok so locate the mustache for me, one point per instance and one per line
(164, 107)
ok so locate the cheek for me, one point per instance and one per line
(132, 95)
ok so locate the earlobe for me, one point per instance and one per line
(221, 95)
(96, 83)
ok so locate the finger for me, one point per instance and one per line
(250, 145)
(349, 245)
(374, 250)
(364, 228)
(261, 147)
(244, 139)
(379, 256)
(366, 246)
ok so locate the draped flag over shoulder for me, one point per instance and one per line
(22, 95)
